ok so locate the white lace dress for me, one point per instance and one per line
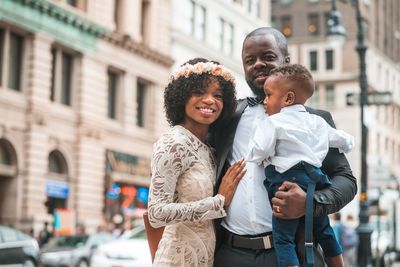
(181, 198)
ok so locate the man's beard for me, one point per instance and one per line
(257, 91)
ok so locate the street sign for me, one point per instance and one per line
(373, 98)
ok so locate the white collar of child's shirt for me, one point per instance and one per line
(292, 108)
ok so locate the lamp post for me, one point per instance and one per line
(364, 229)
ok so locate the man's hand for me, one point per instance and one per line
(289, 202)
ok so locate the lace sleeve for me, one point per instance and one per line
(169, 162)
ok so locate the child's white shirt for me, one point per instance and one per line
(293, 135)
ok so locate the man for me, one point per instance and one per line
(243, 236)
(44, 235)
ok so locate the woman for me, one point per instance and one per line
(200, 96)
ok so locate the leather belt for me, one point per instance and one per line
(258, 242)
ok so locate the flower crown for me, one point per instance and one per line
(205, 67)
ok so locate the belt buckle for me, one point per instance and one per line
(267, 242)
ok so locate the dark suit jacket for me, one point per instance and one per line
(328, 200)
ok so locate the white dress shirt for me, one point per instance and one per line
(250, 211)
(293, 135)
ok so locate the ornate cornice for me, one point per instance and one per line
(64, 26)
(124, 41)
(63, 15)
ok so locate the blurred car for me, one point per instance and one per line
(381, 242)
(130, 250)
(17, 248)
(71, 251)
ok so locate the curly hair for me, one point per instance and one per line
(178, 91)
(298, 76)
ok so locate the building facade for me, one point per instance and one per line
(216, 30)
(335, 68)
(81, 88)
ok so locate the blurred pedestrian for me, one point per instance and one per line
(348, 238)
(44, 235)
(128, 227)
(350, 242)
(80, 229)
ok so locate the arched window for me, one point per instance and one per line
(5, 157)
(57, 163)
(8, 157)
(57, 186)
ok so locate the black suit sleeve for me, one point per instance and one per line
(344, 185)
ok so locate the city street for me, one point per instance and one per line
(110, 109)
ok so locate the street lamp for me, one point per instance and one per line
(364, 229)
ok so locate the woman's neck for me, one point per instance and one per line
(199, 131)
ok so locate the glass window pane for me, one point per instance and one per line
(116, 12)
(221, 36)
(287, 28)
(140, 103)
(313, 60)
(112, 94)
(273, 21)
(53, 74)
(330, 96)
(200, 22)
(329, 59)
(313, 24)
(314, 100)
(2, 33)
(4, 155)
(229, 41)
(57, 163)
(66, 79)
(72, 2)
(54, 164)
(15, 62)
(192, 17)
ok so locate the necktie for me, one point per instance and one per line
(252, 101)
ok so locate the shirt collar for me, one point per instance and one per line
(292, 108)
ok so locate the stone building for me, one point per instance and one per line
(81, 85)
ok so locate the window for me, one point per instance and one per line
(5, 157)
(329, 59)
(61, 80)
(226, 37)
(57, 163)
(314, 100)
(198, 21)
(113, 79)
(313, 60)
(72, 2)
(327, 17)
(80, 4)
(141, 93)
(330, 96)
(313, 24)
(117, 13)
(145, 21)
(273, 21)
(252, 7)
(287, 29)
(57, 189)
(11, 55)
